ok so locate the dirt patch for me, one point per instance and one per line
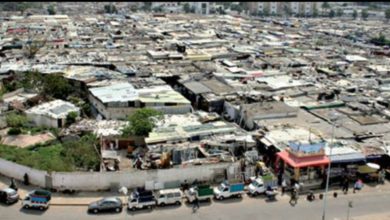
(25, 140)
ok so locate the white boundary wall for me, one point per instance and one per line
(17, 171)
(93, 181)
(101, 181)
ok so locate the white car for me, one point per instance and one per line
(168, 197)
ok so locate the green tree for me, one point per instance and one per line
(23, 6)
(236, 7)
(8, 6)
(221, 11)
(147, 6)
(158, 9)
(56, 86)
(325, 6)
(51, 10)
(141, 122)
(387, 14)
(315, 11)
(354, 14)
(33, 46)
(110, 9)
(226, 4)
(380, 41)
(340, 12)
(332, 13)
(364, 14)
(31, 80)
(16, 6)
(71, 118)
(16, 120)
(186, 7)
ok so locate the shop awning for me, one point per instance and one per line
(347, 158)
(298, 162)
(366, 169)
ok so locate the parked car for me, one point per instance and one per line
(38, 199)
(8, 196)
(168, 197)
(106, 205)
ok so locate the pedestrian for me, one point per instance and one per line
(280, 178)
(294, 197)
(297, 186)
(195, 204)
(382, 176)
(284, 186)
(13, 185)
(185, 186)
(310, 197)
(358, 185)
(345, 185)
(26, 179)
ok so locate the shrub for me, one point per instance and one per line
(71, 118)
(16, 120)
(14, 131)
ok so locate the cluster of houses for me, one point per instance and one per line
(296, 94)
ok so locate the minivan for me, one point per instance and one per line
(168, 197)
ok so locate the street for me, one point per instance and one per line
(364, 204)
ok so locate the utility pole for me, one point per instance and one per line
(333, 118)
(350, 205)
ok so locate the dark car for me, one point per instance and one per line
(105, 205)
(8, 196)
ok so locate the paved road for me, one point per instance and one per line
(245, 208)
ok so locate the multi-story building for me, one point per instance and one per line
(295, 6)
(201, 7)
(280, 8)
(273, 7)
(164, 4)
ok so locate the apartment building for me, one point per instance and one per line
(281, 8)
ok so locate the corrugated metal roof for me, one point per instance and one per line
(120, 92)
(197, 87)
(347, 158)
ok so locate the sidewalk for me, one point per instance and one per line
(61, 199)
(385, 216)
(85, 198)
